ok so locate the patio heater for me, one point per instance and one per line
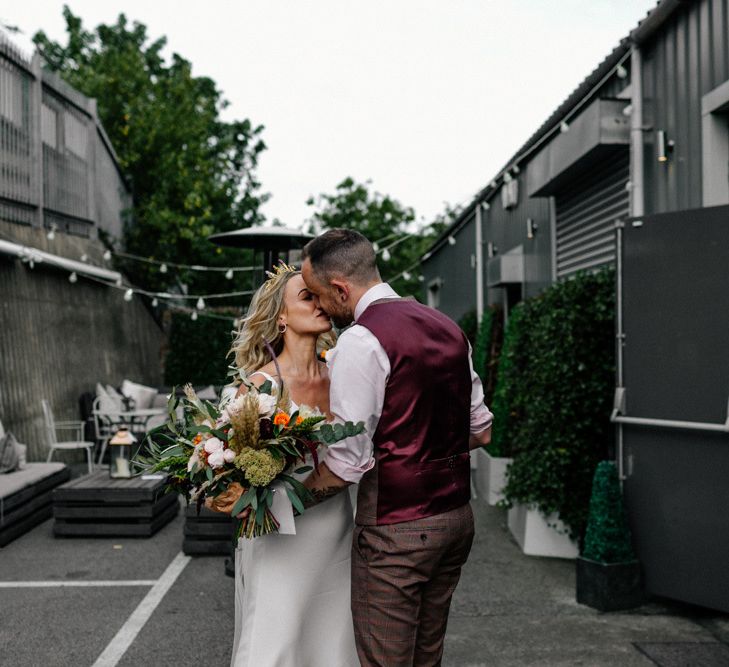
(275, 242)
(120, 454)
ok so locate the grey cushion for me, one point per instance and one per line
(34, 472)
(9, 458)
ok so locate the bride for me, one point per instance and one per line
(292, 592)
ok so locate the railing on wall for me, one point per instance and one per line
(57, 167)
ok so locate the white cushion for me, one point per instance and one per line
(109, 405)
(207, 393)
(34, 472)
(142, 395)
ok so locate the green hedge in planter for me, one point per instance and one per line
(469, 324)
(482, 346)
(198, 350)
(511, 390)
(554, 395)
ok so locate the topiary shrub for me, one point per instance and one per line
(198, 350)
(554, 395)
(607, 537)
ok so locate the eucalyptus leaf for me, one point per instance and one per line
(295, 500)
(303, 469)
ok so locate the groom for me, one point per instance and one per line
(405, 370)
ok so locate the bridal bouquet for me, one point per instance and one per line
(254, 441)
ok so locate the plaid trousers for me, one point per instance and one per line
(403, 578)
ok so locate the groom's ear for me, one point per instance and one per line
(341, 287)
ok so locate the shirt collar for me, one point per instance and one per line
(379, 291)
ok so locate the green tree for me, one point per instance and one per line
(191, 173)
(383, 220)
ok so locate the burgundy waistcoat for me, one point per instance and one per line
(421, 442)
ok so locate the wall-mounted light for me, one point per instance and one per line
(491, 249)
(531, 228)
(663, 146)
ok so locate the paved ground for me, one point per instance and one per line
(509, 609)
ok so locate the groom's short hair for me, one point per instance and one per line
(342, 253)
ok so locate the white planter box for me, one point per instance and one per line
(490, 476)
(536, 537)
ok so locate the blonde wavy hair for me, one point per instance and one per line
(261, 324)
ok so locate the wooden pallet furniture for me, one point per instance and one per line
(208, 533)
(97, 506)
(26, 497)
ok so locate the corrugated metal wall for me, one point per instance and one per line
(58, 339)
(685, 60)
(54, 166)
(586, 213)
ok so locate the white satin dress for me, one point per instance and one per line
(292, 592)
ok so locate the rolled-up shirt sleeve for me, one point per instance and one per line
(481, 416)
(358, 372)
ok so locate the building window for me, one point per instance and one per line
(434, 292)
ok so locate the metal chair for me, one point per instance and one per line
(75, 427)
(104, 428)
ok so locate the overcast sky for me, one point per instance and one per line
(427, 99)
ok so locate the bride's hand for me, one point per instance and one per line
(225, 501)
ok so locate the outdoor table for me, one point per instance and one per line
(131, 417)
(207, 532)
(96, 505)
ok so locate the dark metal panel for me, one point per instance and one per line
(676, 366)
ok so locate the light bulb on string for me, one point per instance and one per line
(200, 305)
(73, 277)
(405, 275)
(118, 282)
(163, 268)
(193, 315)
(84, 258)
(128, 294)
(51, 232)
(451, 240)
(563, 127)
(621, 72)
(376, 247)
(485, 206)
(386, 255)
(229, 274)
(155, 302)
(107, 255)
(421, 278)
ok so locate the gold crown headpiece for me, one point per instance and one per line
(279, 271)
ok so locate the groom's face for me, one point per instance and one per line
(332, 299)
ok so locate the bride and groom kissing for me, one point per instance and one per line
(376, 588)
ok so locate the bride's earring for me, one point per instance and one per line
(282, 328)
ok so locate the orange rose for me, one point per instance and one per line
(281, 419)
(299, 419)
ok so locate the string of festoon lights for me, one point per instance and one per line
(200, 307)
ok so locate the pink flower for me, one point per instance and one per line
(212, 445)
(228, 455)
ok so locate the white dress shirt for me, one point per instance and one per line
(359, 369)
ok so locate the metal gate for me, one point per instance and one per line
(586, 215)
(671, 401)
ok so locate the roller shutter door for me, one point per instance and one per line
(586, 215)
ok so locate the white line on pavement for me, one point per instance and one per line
(123, 639)
(61, 584)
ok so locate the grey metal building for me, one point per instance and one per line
(61, 189)
(632, 170)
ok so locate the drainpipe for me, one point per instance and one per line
(479, 265)
(637, 209)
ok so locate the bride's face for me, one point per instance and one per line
(301, 313)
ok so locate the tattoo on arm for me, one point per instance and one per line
(320, 495)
